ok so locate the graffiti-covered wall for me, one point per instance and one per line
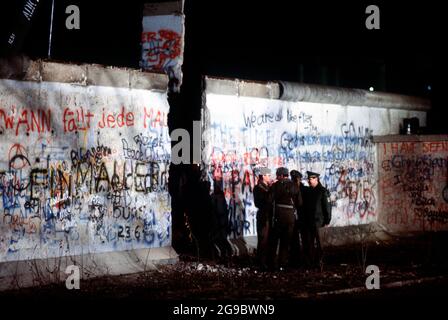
(162, 38)
(242, 133)
(83, 169)
(414, 183)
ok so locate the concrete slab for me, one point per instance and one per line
(109, 77)
(62, 72)
(20, 274)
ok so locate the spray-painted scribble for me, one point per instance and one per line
(413, 179)
(160, 49)
(85, 173)
(162, 44)
(246, 133)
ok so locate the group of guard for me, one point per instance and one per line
(288, 219)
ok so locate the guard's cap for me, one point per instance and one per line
(295, 174)
(282, 171)
(263, 171)
(312, 174)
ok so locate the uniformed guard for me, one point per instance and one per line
(295, 249)
(286, 200)
(263, 203)
(317, 214)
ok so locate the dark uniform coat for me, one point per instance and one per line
(316, 213)
(263, 202)
(295, 249)
(286, 198)
(316, 208)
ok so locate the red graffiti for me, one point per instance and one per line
(164, 46)
(18, 158)
(154, 118)
(435, 146)
(399, 147)
(78, 120)
(31, 120)
(120, 120)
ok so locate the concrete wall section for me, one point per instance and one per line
(413, 182)
(242, 133)
(163, 38)
(83, 169)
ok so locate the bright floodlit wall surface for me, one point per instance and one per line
(83, 169)
(242, 133)
(162, 43)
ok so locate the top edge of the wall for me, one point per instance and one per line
(289, 91)
(81, 74)
(163, 8)
(410, 138)
(266, 90)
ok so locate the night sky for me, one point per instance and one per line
(303, 41)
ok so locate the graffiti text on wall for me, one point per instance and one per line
(413, 178)
(160, 49)
(77, 179)
(27, 120)
(291, 137)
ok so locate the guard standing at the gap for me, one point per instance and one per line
(316, 214)
(263, 203)
(286, 199)
(295, 255)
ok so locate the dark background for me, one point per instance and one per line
(321, 42)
